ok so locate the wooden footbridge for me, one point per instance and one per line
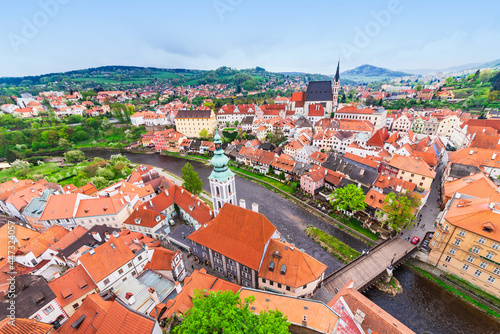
(370, 267)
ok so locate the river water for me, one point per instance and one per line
(423, 306)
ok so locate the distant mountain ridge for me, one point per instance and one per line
(369, 73)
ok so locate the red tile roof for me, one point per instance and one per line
(44, 241)
(301, 268)
(107, 258)
(413, 165)
(378, 139)
(237, 233)
(199, 280)
(24, 326)
(161, 259)
(144, 217)
(316, 110)
(72, 285)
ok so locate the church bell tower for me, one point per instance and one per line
(336, 87)
(222, 183)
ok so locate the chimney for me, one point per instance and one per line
(115, 234)
(97, 236)
(493, 156)
(178, 287)
(92, 251)
(243, 203)
(255, 207)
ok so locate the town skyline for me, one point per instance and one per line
(215, 36)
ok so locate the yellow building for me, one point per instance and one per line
(466, 242)
(411, 169)
(191, 122)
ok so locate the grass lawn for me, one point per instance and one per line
(337, 248)
(355, 225)
(475, 289)
(289, 188)
(456, 292)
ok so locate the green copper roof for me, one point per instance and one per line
(220, 162)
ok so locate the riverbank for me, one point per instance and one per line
(473, 296)
(285, 191)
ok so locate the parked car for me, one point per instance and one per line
(171, 222)
(415, 240)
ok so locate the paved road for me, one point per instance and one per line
(431, 209)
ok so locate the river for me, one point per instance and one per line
(423, 306)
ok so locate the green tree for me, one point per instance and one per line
(349, 197)
(398, 211)
(192, 181)
(203, 134)
(74, 156)
(225, 312)
(99, 182)
(64, 143)
(105, 173)
(116, 158)
(418, 88)
(495, 82)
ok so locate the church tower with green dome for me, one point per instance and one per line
(222, 183)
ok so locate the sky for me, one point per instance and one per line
(45, 36)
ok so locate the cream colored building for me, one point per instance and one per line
(447, 126)
(410, 169)
(191, 122)
(466, 242)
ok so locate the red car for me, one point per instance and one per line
(415, 240)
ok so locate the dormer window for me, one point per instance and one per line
(271, 266)
(283, 270)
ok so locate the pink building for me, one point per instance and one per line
(311, 181)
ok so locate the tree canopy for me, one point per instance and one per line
(349, 197)
(398, 211)
(192, 181)
(74, 156)
(224, 312)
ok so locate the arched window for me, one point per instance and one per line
(220, 205)
(217, 190)
(229, 188)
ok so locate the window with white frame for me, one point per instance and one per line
(465, 267)
(483, 265)
(447, 259)
(482, 241)
(489, 255)
(491, 279)
(470, 259)
(452, 251)
(475, 250)
(461, 233)
(478, 273)
(495, 246)
(48, 309)
(457, 242)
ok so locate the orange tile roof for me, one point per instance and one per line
(60, 207)
(386, 181)
(376, 319)
(486, 141)
(91, 207)
(161, 259)
(126, 187)
(88, 189)
(412, 165)
(238, 233)
(319, 157)
(474, 215)
(20, 198)
(72, 285)
(315, 175)
(480, 156)
(320, 318)
(45, 240)
(368, 161)
(107, 258)
(355, 125)
(284, 163)
(375, 199)
(144, 217)
(8, 187)
(316, 110)
(135, 240)
(199, 280)
(301, 268)
(69, 238)
(23, 236)
(378, 139)
(24, 326)
(95, 309)
(478, 185)
(355, 110)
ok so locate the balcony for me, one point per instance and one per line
(489, 260)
